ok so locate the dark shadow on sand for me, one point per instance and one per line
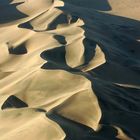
(94, 4)
(13, 102)
(8, 12)
(78, 131)
(119, 106)
(19, 50)
(56, 59)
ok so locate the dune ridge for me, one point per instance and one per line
(71, 68)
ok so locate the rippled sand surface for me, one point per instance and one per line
(69, 70)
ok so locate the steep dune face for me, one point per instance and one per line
(69, 70)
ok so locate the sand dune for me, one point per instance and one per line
(69, 70)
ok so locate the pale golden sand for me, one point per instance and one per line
(70, 70)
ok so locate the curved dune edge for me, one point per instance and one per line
(28, 124)
(90, 108)
(61, 57)
(96, 61)
(121, 135)
(46, 86)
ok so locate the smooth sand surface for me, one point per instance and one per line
(70, 69)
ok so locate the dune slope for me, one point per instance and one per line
(70, 70)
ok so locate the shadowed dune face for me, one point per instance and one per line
(94, 4)
(21, 49)
(69, 71)
(13, 102)
(9, 13)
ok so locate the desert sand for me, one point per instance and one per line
(70, 69)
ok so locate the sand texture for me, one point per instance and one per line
(70, 69)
